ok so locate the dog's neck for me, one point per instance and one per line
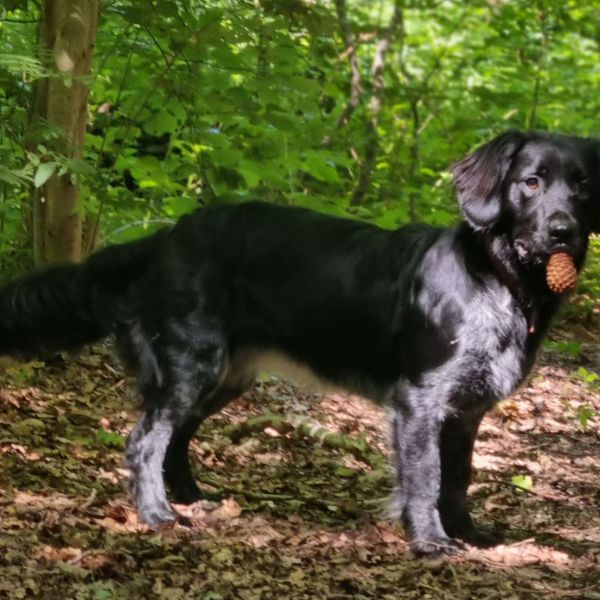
(505, 264)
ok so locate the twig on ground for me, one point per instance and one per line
(303, 427)
(223, 489)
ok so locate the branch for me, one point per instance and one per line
(377, 70)
(305, 428)
(350, 52)
(23, 21)
(222, 490)
(539, 67)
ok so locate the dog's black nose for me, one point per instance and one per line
(562, 229)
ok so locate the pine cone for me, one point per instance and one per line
(561, 274)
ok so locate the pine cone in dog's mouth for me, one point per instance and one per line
(561, 274)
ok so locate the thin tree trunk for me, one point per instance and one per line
(377, 70)
(351, 44)
(66, 40)
(415, 157)
(540, 65)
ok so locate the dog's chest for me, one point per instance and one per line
(492, 353)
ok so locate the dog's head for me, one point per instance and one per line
(541, 191)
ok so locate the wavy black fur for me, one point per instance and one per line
(68, 306)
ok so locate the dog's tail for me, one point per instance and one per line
(65, 307)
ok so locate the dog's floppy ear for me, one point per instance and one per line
(478, 178)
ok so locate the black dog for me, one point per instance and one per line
(439, 324)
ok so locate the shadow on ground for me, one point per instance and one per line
(291, 510)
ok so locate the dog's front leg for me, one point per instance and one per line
(146, 448)
(177, 469)
(417, 420)
(457, 439)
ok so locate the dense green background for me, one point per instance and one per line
(220, 100)
(204, 101)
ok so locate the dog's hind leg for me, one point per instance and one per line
(176, 465)
(456, 448)
(177, 469)
(188, 367)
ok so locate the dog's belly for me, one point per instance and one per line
(278, 363)
(248, 363)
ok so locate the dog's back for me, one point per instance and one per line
(326, 290)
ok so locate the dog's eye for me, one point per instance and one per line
(584, 187)
(533, 183)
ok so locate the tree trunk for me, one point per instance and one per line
(67, 35)
(377, 70)
(350, 51)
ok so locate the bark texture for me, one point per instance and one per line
(67, 36)
(377, 73)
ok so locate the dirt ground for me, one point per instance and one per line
(296, 485)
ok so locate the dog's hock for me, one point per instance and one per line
(561, 274)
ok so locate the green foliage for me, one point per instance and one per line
(23, 371)
(200, 102)
(584, 413)
(590, 282)
(110, 439)
(589, 377)
(27, 67)
(572, 349)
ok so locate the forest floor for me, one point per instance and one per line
(295, 510)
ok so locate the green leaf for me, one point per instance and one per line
(176, 206)
(19, 64)
(14, 176)
(110, 439)
(522, 482)
(43, 173)
(226, 157)
(587, 376)
(342, 471)
(250, 171)
(573, 349)
(81, 167)
(320, 168)
(584, 413)
(162, 122)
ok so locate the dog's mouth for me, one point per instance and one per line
(560, 249)
(532, 255)
(528, 254)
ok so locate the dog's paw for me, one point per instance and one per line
(434, 547)
(460, 526)
(464, 530)
(157, 517)
(481, 538)
(186, 494)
